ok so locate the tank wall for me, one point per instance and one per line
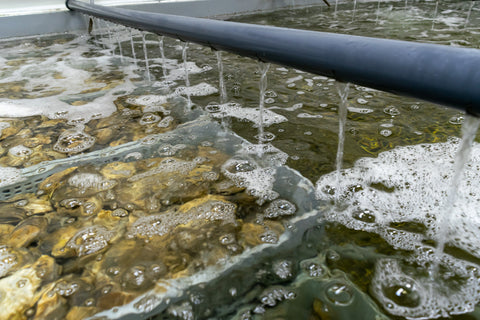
(33, 17)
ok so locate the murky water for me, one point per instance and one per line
(117, 202)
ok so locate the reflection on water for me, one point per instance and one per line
(116, 200)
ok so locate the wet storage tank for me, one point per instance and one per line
(134, 186)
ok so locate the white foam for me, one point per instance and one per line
(410, 184)
(359, 110)
(9, 175)
(251, 114)
(64, 76)
(179, 73)
(309, 116)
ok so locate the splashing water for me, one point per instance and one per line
(221, 80)
(444, 218)
(342, 119)
(263, 67)
(162, 55)
(147, 66)
(187, 80)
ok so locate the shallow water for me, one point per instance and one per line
(151, 210)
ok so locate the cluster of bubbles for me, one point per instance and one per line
(90, 182)
(90, 240)
(74, 141)
(8, 259)
(160, 224)
(380, 195)
(20, 151)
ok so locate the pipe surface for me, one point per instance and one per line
(441, 74)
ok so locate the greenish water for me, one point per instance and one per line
(150, 195)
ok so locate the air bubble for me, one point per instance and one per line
(361, 101)
(283, 269)
(213, 108)
(266, 137)
(149, 140)
(459, 119)
(226, 239)
(93, 181)
(391, 110)
(339, 293)
(74, 141)
(279, 208)
(386, 132)
(165, 122)
(135, 278)
(183, 311)
(21, 283)
(20, 151)
(403, 292)
(90, 240)
(315, 270)
(148, 227)
(270, 94)
(364, 215)
(148, 118)
(133, 156)
(66, 289)
(210, 176)
(120, 212)
(237, 166)
(21, 203)
(269, 237)
(269, 100)
(7, 260)
(113, 271)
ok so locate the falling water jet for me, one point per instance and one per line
(110, 37)
(378, 12)
(343, 89)
(336, 5)
(354, 9)
(221, 80)
(187, 80)
(162, 56)
(469, 12)
(146, 56)
(133, 48)
(119, 46)
(263, 68)
(435, 15)
(444, 218)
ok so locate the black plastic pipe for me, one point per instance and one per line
(441, 74)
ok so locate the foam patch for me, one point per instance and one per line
(410, 185)
(236, 110)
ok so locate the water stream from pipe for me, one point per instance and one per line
(263, 68)
(343, 89)
(187, 80)
(435, 15)
(162, 56)
(147, 66)
(444, 217)
(133, 48)
(469, 13)
(221, 80)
